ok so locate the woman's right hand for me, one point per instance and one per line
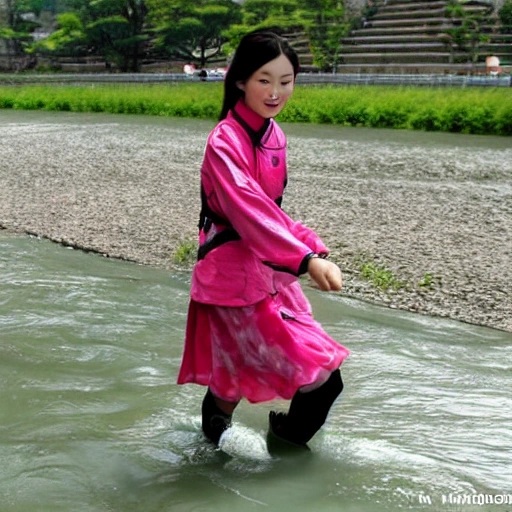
(325, 274)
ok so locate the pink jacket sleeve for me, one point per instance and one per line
(235, 195)
(310, 238)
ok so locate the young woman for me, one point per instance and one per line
(250, 331)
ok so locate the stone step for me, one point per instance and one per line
(294, 35)
(421, 16)
(306, 59)
(411, 6)
(299, 40)
(505, 57)
(398, 38)
(380, 4)
(400, 57)
(476, 9)
(395, 48)
(436, 8)
(411, 68)
(506, 38)
(300, 47)
(497, 47)
(406, 14)
(413, 30)
(409, 22)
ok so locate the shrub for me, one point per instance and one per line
(479, 111)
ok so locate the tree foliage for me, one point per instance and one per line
(325, 28)
(322, 21)
(282, 13)
(280, 16)
(124, 31)
(505, 15)
(17, 29)
(467, 32)
(68, 39)
(113, 29)
(192, 30)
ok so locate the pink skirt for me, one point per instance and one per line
(261, 352)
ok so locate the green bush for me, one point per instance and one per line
(505, 15)
(477, 110)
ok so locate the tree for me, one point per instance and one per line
(114, 29)
(263, 13)
(322, 21)
(117, 31)
(192, 30)
(466, 34)
(16, 32)
(68, 39)
(281, 16)
(505, 15)
(325, 28)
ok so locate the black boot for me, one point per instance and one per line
(214, 420)
(307, 413)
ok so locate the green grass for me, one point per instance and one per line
(380, 276)
(485, 111)
(173, 100)
(186, 253)
(476, 111)
(427, 281)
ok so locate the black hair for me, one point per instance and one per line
(255, 50)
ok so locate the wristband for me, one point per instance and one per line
(304, 264)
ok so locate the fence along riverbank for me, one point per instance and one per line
(424, 80)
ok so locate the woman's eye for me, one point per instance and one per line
(263, 81)
(286, 83)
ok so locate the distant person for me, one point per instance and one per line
(250, 330)
(189, 69)
(203, 74)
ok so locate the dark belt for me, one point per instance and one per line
(228, 235)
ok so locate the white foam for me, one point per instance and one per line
(243, 442)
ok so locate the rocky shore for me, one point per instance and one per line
(431, 211)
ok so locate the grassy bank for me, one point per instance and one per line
(478, 110)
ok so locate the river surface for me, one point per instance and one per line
(91, 419)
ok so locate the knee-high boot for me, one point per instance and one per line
(308, 411)
(214, 420)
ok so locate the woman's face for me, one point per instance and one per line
(267, 90)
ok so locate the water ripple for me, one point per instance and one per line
(91, 418)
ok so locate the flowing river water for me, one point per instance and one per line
(91, 419)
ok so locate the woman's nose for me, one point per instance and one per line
(275, 92)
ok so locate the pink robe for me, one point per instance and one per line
(250, 330)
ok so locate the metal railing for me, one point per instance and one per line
(429, 80)
(91, 78)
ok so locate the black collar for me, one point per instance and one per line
(255, 136)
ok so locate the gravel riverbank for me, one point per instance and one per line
(433, 209)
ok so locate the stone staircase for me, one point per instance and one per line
(412, 36)
(500, 45)
(299, 40)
